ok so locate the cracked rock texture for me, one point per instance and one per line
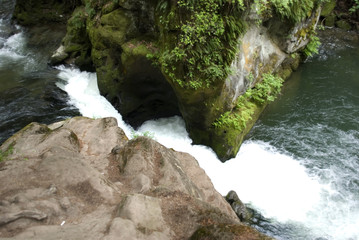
(83, 179)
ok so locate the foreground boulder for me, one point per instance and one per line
(83, 179)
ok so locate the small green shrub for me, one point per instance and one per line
(263, 92)
(148, 134)
(268, 89)
(293, 10)
(313, 46)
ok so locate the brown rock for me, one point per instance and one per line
(82, 179)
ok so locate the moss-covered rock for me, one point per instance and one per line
(330, 20)
(328, 8)
(160, 57)
(343, 24)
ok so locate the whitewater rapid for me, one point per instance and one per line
(261, 178)
(272, 181)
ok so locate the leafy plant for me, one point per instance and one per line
(263, 92)
(313, 46)
(207, 40)
(293, 10)
(355, 7)
(266, 90)
(148, 134)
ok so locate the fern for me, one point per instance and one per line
(203, 50)
(312, 47)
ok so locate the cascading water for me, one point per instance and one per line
(317, 122)
(299, 167)
(27, 85)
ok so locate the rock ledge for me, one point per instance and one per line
(83, 179)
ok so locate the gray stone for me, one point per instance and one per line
(95, 191)
(143, 211)
(59, 56)
(238, 207)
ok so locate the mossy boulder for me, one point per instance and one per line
(196, 59)
(330, 20)
(328, 8)
(343, 24)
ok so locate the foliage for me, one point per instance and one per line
(293, 10)
(148, 134)
(355, 7)
(5, 154)
(312, 46)
(207, 40)
(263, 92)
(237, 120)
(90, 9)
(267, 90)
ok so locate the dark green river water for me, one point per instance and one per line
(316, 121)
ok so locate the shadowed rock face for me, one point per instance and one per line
(44, 11)
(83, 179)
(145, 95)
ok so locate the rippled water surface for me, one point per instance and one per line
(27, 84)
(316, 121)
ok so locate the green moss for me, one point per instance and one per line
(343, 24)
(137, 48)
(4, 154)
(106, 37)
(232, 126)
(328, 8)
(330, 20)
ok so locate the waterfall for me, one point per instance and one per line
(272, 181)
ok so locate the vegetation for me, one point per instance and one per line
(312, 46)
(207, 34)
(207, 42)
(355, 7)
(148, 134)
(293, 10)
(6, 153)
(262, 93)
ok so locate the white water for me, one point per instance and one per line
(274, 183)
(12, 48)
(85, 95)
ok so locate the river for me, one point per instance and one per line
(298, 167)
